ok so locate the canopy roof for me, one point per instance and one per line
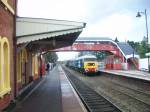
(47, 33)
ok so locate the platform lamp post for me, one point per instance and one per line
(139, 14)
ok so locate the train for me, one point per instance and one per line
(86, 64)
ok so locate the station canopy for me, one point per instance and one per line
(46, 34)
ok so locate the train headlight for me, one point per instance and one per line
(86, 70)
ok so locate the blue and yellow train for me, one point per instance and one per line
(86, 64)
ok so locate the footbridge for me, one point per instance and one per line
(121, 51)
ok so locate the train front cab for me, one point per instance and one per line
(90, 68)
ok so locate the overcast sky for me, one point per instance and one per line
(104, 18)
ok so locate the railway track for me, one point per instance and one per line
(92, 100)
(136, 97)
(137, 94)
(131, 100)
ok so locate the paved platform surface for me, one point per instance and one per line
(54, 94)
(131, 73)
(70, 99)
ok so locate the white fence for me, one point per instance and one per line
(143, 64)
(101, 66)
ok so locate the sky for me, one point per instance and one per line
(104, 18)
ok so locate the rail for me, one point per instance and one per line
(91, 99)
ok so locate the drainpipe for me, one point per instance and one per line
(15, 50)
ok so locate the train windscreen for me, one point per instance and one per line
(90, 59)
(91, 64)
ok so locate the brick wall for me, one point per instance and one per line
(6, 30)
(4, 101)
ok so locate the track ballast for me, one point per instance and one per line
(92, 100)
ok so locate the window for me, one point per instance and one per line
(35, 66)
(33, 60)
(21, 60)
(25, 55)
(91, 64)
(90, 59)
(4, 67)
(23, 66)
(19, 67)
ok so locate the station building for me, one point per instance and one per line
(22, 43)
(35, 36)
(7, 37)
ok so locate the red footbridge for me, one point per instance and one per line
(124, 56)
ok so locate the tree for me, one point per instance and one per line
(51, 57)
(140, 47)
(134, 45)
(116, 40)
(143, 48)
(102, 54)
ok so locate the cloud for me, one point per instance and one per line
(123, 26)
(53, 9)
(109, 18)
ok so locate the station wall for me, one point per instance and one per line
(6, 52)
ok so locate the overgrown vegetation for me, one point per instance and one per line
(140, 47)
(50, 57)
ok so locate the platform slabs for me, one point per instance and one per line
(54, 94)
(130, 73)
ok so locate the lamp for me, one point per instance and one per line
(139, 15)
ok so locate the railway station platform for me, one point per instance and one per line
(53, 94)
(130, 73)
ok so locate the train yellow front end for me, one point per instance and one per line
(91, 67)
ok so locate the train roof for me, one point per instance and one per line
(91, 39)
(86, 56)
